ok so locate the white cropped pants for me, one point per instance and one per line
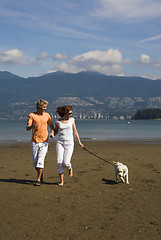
(64, 151)
(39, 151)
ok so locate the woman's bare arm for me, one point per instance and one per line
(76, 134)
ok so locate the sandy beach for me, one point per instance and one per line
(89, 206)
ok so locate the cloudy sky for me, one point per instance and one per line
(113, 37)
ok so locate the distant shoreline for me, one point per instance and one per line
(85, 119)
(128, 140)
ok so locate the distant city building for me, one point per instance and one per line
(122, 117)
(128, 116)
(95, 115)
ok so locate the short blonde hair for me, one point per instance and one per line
(41, 102)
(64, 110)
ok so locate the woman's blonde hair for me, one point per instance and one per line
(41, 102)
(63, 110)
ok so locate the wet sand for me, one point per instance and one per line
(89, 206)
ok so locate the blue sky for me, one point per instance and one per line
(113, 37)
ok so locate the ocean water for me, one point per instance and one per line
(15, 130)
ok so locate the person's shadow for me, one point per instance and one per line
(110, 182)
(23, 181)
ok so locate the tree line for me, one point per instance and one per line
(149, 113)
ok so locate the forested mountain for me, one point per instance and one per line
(82, 86)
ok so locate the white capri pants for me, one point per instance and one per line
(64, 151)
(39, 151)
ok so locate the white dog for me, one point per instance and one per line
(121, 172)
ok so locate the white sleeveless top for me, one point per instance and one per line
(65, 132)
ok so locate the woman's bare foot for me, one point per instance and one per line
(61, 175)
(61, 184)
(70, 173)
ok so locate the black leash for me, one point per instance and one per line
(98, 156)
(101, 159)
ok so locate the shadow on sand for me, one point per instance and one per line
(24, 181)
(110, 182)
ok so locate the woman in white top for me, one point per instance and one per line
(65, 127)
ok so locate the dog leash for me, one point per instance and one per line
(101, 159)
(98, 156)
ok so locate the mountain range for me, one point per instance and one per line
(15, 89)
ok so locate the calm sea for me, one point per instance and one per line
(15, 130)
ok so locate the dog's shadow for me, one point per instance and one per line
(109, 182)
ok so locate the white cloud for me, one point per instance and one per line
(103, 57)
(59, 56)
(150, 77)
(106, 62)
(150, 39)
(43, 55)
(129, 9)
(10, 57)
(144, 59)
(15, 56)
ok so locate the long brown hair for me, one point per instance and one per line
(62, 110)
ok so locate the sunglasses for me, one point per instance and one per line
(70, 113)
